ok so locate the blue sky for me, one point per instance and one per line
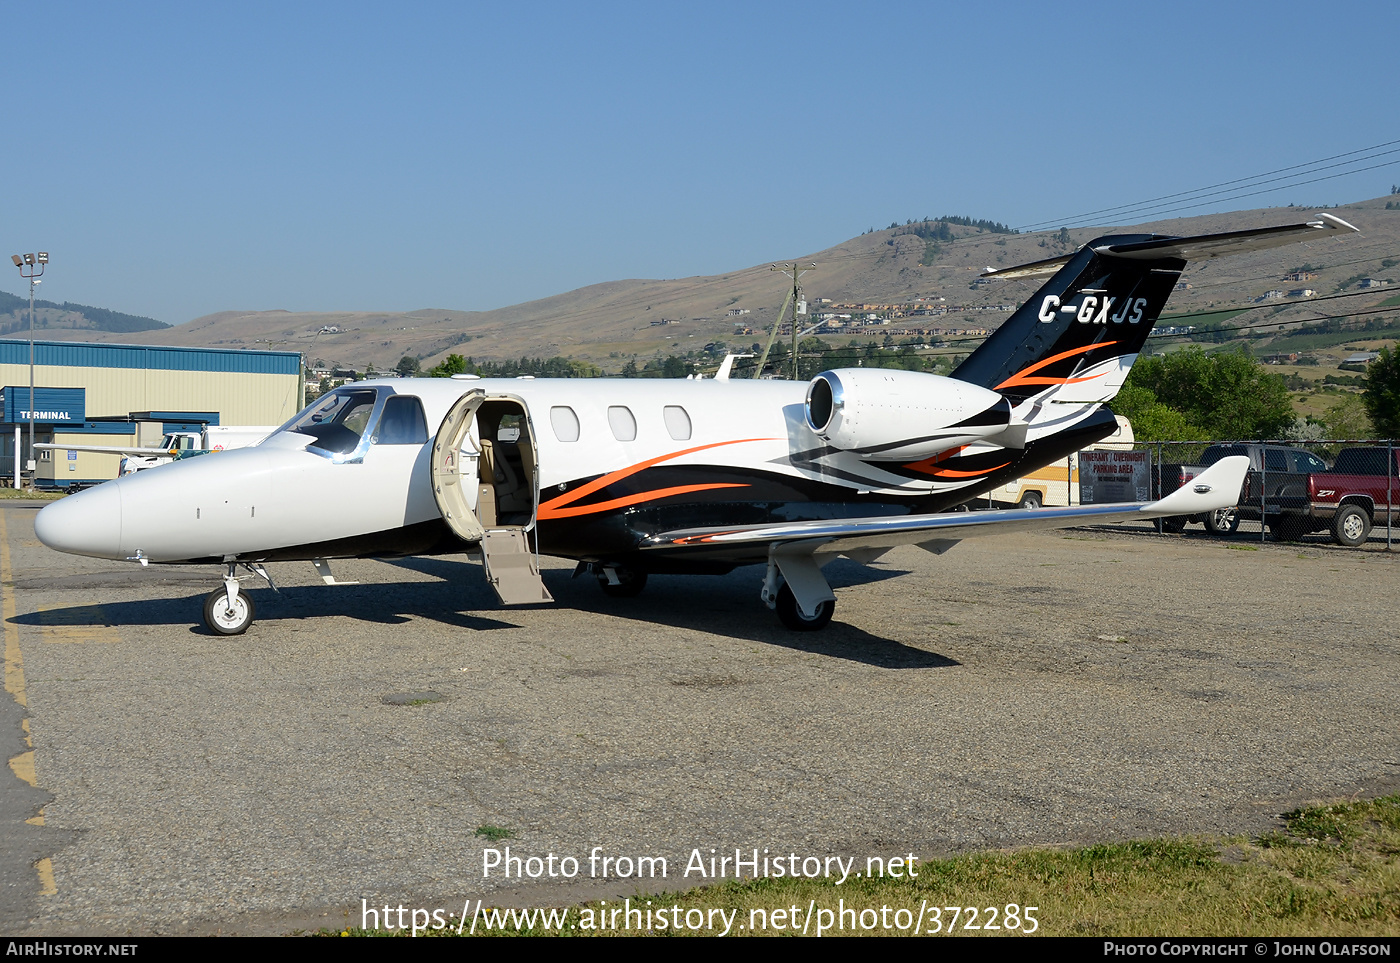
(180, 159)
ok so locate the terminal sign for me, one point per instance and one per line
(49, 406)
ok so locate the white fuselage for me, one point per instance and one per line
(593, 441)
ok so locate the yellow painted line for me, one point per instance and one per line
(23, 764)
(47, 887)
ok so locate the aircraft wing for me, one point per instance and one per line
(104, 449)
(865, 538)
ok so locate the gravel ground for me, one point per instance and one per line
(1039, 689)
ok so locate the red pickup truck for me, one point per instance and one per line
(1360, 491)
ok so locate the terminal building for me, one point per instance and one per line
(130, 395)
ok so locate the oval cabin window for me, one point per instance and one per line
(564, 422)
(677, 422)
(624, 426)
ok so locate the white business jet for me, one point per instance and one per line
(630, 477)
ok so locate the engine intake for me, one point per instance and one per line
(888, 415)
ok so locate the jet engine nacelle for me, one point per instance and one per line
(884, 415)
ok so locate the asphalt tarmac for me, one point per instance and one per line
(1054, 688)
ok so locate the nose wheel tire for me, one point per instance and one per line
(793, 618)
(222, 620)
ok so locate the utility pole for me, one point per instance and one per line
(794, 297)
(35, 265)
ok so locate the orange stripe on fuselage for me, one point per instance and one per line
(949, 473)
(1020, 378)
(926, 466)
(554, 508)
(547, 513)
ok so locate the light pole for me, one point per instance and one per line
(35, 264)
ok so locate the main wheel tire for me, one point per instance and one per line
(222, 620)
(630, 583)
(1226, 521)
(1174, 525)
(793, 618)
(1029, 502)
(1351, 525)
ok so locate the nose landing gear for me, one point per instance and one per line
(227, 611)
(223, 617)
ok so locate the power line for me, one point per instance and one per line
(1039, 225)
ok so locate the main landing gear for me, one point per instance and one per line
(620, 583)
(227, 611)
(792, 616)
(796, 589)
(616, 581)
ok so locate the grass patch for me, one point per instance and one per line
(1330, 871)
(44, 496)
(1243, 548)
(493, 834)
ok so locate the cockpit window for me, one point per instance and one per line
(401, 422)
(336, 421)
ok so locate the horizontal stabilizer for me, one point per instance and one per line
(1198, 248)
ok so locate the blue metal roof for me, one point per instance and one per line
(159, 358)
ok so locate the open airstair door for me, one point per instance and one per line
(486, 484)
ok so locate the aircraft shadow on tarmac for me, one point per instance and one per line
(459, 597)
(724, 605)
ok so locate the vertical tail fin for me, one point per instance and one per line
(1082, 330)
(1080, 333)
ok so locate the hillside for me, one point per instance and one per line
(610, 322)
(80, 318)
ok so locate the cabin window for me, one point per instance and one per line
(623, 425)
(564, 422)
(677, 422)
(401, 422)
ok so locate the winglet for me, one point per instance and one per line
(1213, 489)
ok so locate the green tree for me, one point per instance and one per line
(454, 364)
(1152, 420)
(407, 367)
(1382, 396)
(1226, 394)
(1348, 418)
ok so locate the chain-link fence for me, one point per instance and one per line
(1342, 491)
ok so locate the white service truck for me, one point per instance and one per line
(180, 444)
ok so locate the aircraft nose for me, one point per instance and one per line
(88, 523)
